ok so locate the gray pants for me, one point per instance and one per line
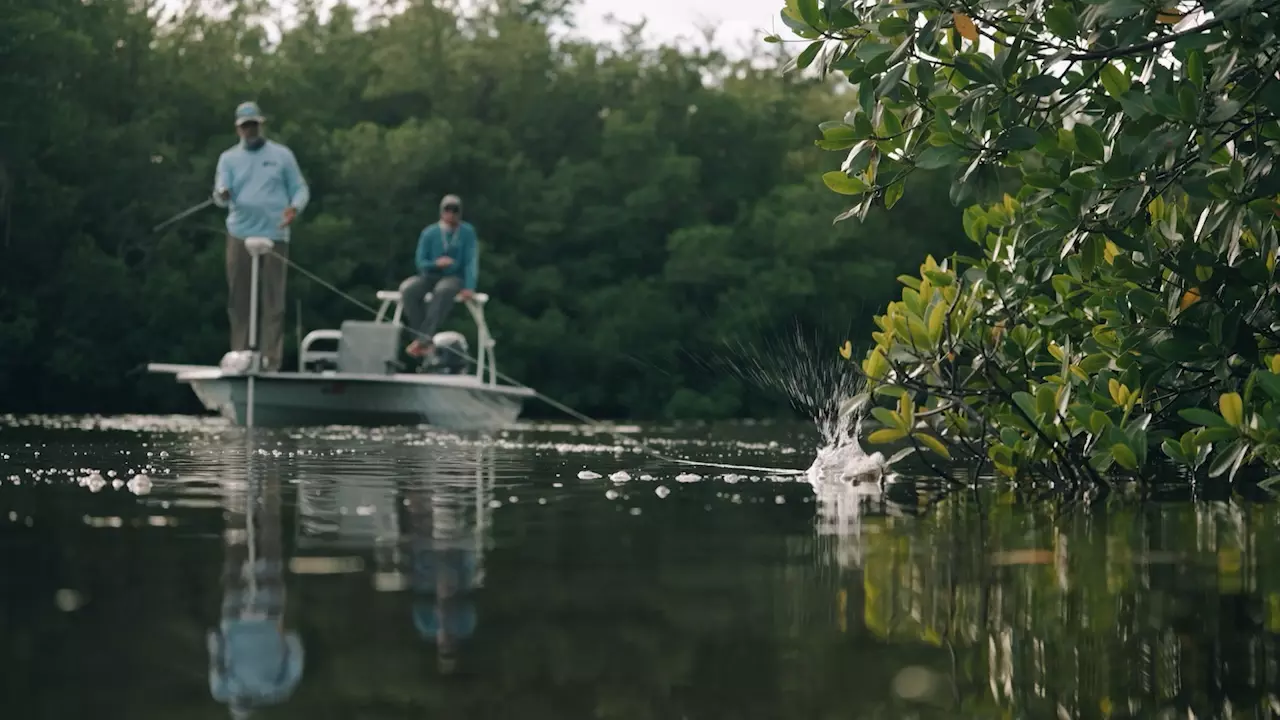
(424, 319)
(273, 277)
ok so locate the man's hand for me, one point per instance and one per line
(223, 195)
(289, 215)
(444, 261)
(465, 294)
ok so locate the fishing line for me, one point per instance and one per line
(539, 395)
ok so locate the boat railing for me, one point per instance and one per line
(307, 356)
(391, 310)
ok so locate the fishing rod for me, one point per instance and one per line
(185, 213)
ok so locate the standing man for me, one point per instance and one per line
(447, 261)
(259, 179)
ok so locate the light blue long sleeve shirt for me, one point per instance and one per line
(263, 183)
(460, 244)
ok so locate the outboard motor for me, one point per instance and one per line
(451, 353)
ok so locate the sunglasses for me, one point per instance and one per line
(451, 208)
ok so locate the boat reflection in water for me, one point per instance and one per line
(425, 533)
(253, 660)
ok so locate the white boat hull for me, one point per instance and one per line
(456, 402)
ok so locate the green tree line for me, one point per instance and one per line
(638, 205)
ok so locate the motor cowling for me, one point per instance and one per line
(451, 353)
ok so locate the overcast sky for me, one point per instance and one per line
(736, 21)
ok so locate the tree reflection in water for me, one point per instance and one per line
(1058, 609)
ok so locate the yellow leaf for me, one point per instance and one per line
(1109, 252)
(1271, 256)
(965, 26)
(886, 435)
(1273, 362)
(1232, 408)
(1189, 298)
(936, 318)
(1119, 393)
(1055, 350)
(933, 444)
(1168, 17)
(846, 350)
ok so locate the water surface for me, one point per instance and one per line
(398, 573)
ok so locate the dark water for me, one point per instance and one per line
(345, 573)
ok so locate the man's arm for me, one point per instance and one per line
(422, 258)
(221, 182)
(471, 272)
(295, 184)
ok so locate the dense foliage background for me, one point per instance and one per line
(1119, 163)
(638, 206)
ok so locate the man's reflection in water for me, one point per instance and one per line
(444, 552)
(253, 660)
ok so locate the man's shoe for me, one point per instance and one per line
(418, 349)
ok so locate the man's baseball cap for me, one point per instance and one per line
(451, 200)
(248, 112)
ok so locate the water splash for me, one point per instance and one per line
(817, 382)
(805, 370)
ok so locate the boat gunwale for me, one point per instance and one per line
(462, 382)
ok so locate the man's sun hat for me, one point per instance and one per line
(248, 112)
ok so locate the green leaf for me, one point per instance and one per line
(1114, 81)
(893, 25)
(1229, 457)
(886, 417)
(1042, 180)
(839, 182)
(1216, 435)
(939, 279)
(1122, 8)
(891, 79)
(1089, 142)
(1026, 403)
(808, 54)
(1200, 416)
(1041, 85)
(1195, 68)
(939, 157)
(1270, 382)
(1094, 363)
(807, 10)
(1061, 20)
(893, 194)
(1124, 456)
(1178, 350)
(1225, 111)
(1019, 138)
(797, 25)
(1174, 451)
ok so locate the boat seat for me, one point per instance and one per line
(391, 302)
(393, 296)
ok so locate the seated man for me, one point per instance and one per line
(447, 265)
